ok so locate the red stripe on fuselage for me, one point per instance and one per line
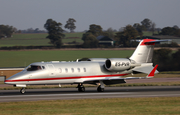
(62, 78)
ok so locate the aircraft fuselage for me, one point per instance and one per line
(63, 73)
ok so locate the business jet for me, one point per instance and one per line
(101, 71)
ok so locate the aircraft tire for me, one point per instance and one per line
(22, 91)
(99, 89)
(81, 89)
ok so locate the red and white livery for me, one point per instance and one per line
(93, 71)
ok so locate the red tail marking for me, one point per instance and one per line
(151, 74)
(147, 40)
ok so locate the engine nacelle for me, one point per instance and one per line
(117, 64)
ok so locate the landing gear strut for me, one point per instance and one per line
(23, 90)
(81, 88)
(101, 87)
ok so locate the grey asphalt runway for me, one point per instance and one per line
(91, 93)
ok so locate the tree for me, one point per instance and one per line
(127, 36)
(153, 27)
(169, 31)
(6, 31)
(109, 33)
(147, 23)
(55, 32)
(163, 58)
(176, 60)
(167, 60)
(139, 28)
(90, 41)
(96, 30)
(176, 27)
(70, 24)
(89, 38)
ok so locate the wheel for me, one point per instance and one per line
(99, 89)
(81, 89)
(22, 91)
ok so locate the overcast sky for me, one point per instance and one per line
(24, 14)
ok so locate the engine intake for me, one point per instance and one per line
(117, 64)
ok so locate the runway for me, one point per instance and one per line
(91, 93)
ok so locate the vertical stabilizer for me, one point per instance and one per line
(144, 51)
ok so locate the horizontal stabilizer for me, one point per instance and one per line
(157, 41)
(151, 74)
(144, 68)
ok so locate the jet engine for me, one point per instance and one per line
(118, 64)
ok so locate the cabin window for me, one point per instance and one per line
(43, 67)
(66, 70)
(84, 69)
(72, 69)
(34, 68)
(78, 69)
(60, 70)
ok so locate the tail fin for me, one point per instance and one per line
(144, 51)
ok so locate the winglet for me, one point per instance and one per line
(151, 74)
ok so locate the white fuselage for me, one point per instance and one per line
(63, 73)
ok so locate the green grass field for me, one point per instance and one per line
(112, 106)
(38, 39)
(24, 58)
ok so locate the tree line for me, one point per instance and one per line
(167, 60)
(124, 37)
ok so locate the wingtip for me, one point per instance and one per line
(151, 74)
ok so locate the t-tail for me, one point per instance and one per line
(144, 51)
(143, 55)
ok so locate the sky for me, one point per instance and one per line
(24, 14)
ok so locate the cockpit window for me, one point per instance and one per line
(34, 68)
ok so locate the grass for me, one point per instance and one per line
(43, 35)
(24, 58)
(113, 106)
(38, 39)
(29, 36)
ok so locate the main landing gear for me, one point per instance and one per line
(101, 87)
(23, 90)
(81, 88)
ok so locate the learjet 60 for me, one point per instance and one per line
(98, 71)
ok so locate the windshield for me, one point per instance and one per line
(34, 68)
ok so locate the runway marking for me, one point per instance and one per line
(65, 94)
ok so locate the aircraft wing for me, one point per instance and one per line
(117, 80)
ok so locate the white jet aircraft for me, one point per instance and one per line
(94, 71)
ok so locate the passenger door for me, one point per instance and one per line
(51, 69)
